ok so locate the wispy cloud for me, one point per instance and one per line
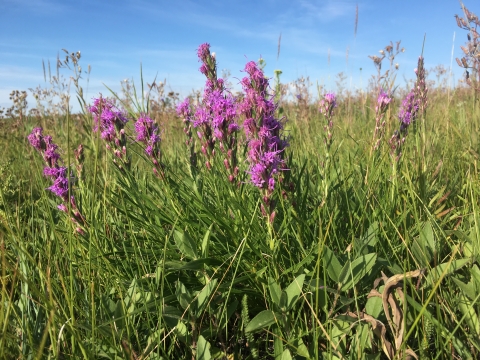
(38, 7)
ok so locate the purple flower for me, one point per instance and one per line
(147, 133)
(60, 187)
(183, 109)
(408, 110)
(107, 118)
(383, 100)
(35, 138)
(58, 174)
(262, 129)
(203, 52)
(327, 105)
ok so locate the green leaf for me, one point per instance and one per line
(184, 297)
(204, 295)
(275, 291)
(468, 289)
(181, 331)
(206, 242)
(369, 239)
(475, 271)
(301, 348)
(428, 237)
(332, 264)
(203, 349)
(191, 265)
(286, 355)
(423, 247)
(374, 305)
(448, 268)
(294, 290)
(263, 319)
(355, 271)
(185, 244)
(471, 317)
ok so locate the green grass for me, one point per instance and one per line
(186, 266)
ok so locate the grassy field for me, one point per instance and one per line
(284, 228)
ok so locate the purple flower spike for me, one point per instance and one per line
(327, 105)
(35, 138)
(263, 133)
(383, 101)
(147, 133)
(408, 110)
(58, 174)
(110, 121)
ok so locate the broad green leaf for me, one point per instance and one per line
(448, 268)
(369, 239)
(277, 344)
(468, 289)
(119, 315)
(190, 265)
(332, 264)
(471, 317)
(203, 349)
(204, 295)
(428, 237)
(357, 270)
(475, 271)
(275, 291)
(181, 331)
(286, 355)
(184, 296)
(185, 244)
(206, 242)
(294, 290)
(301, 348)
(263, 319)
(374, 305)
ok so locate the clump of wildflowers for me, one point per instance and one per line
(147, 133)
(215, 118)
(383, 101)
(263, 132)
(111, 122)
(327, 105)
(415, 103)
(57, 173)
(407, 115)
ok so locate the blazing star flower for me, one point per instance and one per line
(107, 118)
(383, 102)
(262, 129)
(327, 105)
(58, 174)
(408, 110)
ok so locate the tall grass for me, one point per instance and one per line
(385, 264)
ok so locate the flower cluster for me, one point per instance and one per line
(147, 133)
(407, 115)
(383, 101)
(111, 122)
(57, 173)
(327, 105)
(262, 129)
(214, 118)
(414, 104)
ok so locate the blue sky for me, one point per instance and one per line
(115, 37)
